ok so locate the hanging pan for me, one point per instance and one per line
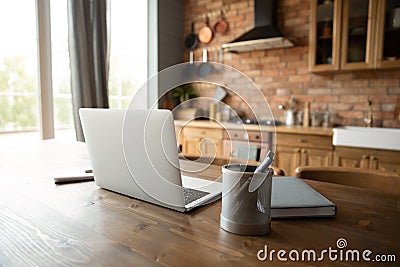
(191, 40)
(206, 33)
(222, 24)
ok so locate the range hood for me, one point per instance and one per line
(265, 34)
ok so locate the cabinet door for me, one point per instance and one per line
(324, 41)
(316, 157)
(211, 148)
(204, 147)
(191, 146)
(388, 34)
(358, 34)
(351, 158)
(287, 158)
(385, 161)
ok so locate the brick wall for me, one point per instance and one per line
(283, 73)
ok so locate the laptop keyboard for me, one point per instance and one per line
(191, 194)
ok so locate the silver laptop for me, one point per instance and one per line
(134, 152)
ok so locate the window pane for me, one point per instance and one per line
(18, 66)
(128, 50)
(61, 66)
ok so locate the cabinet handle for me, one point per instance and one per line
(203, 132)
(302, 140)
(364, 162)
(374, 163)
(257, 137)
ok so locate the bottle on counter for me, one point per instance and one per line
(306, 115)
(289, 118)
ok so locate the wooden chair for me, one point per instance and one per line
(386, 182)
(223, 161)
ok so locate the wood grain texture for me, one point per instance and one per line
(43, 224)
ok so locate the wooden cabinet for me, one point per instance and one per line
(353, 35)
(325, 30)
(388, 34)
(376, 159)
(294, 150)
(205, 142)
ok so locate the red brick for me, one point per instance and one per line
(291, 57)
(340, 106)
(345, 91)
(319, 91)
(286, 72)
(275, 52)
(235, 18)
(239, 5)
(373, 90)
(325, 98)
(388, 107)
(214, 5)
(384, 98)
(363, 107)
(385, 82)
(297, 64)
(302, 71)
(271, 73)
(281, 91)
(299, 78)
(352, 99)
(394, 91)
(344, 76)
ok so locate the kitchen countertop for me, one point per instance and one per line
(253, 127)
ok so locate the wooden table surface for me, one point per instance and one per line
(79, 224)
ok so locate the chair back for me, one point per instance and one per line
(386, 182)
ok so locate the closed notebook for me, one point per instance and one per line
(291, 197)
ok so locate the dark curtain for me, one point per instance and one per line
(88, 51)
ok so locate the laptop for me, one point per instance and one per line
(135, 153)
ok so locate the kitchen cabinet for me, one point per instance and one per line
(388, 34)
(354, 35)
(205, 142)
(297, 149)
(376, 159)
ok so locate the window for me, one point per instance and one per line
(62, 98)
(18, 60)
(128, 50)
(18, 66)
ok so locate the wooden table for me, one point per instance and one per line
(43, 224)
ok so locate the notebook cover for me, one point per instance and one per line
(291, 197)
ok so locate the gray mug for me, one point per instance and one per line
(244, 212)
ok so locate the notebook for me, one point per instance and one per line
(291, 197)
(134, 152)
